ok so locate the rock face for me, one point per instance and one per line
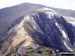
(44, 27)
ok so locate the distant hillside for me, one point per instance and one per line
(65, 12)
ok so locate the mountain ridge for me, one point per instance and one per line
(26, 27)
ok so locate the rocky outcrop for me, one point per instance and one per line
(38, 28)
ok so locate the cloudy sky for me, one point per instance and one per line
(66, 4)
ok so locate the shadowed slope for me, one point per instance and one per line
(49, 29)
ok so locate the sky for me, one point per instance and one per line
(65, 4)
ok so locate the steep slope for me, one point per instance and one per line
(31, 26)
(44, 27)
